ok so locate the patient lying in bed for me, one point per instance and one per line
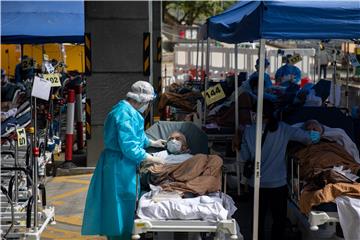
(185, 173)
(328, 168)
(177, 149)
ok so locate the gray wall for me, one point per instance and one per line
(117, 34)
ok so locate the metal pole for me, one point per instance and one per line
(207, 74)
(202, 57)
(79, 117)
(150, 9)
(237, 115)
(318, 63)
(258, 139)
(35, 169)
(334, 78)
(16, 172)
(347, 74)
(197, 60)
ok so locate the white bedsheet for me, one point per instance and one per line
(215, 207)
(349, 216)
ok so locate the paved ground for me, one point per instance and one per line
(68, 195)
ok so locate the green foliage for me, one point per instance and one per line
(194, 12)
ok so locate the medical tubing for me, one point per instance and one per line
(28, 212)
(10, 187)
(43, 194)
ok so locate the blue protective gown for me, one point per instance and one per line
(267, 80)
(287, 70)
(110, 203)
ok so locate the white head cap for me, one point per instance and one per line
(141, 92)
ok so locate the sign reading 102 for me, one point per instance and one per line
(54, 79)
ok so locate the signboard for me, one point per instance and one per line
(295, 59)
(41, 88)
(54, 79)
(214, 94)
(21, 136)
(353, 60)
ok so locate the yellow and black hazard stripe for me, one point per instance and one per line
(88, 118)
(146, 54)
(158, 50)
(88, 63)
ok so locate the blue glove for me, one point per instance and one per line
(315, 136)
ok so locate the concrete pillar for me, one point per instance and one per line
(116, 30)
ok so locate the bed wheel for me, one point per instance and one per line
(234, 236)
(135, 237)
(314, 228)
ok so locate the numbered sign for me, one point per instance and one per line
(295, 59)
(46, 57)
(54, 79)
(214, 94)
(21, 134)
(353, 60)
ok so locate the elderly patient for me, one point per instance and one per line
(335, 149)
(177, 149)
(182, 172)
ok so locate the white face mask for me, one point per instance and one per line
(143, 107)
(174, 146)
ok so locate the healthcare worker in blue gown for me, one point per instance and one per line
(110, 203)
(289, 73)
(267, 80)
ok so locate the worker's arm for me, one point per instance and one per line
(129, 142)
(298, 134)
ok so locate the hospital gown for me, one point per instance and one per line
(110, 203)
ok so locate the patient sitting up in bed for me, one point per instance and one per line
(177, 149)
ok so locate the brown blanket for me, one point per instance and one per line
(200, 174)
(317, 157)
(186, 101)
(331, 191)
(323, 184)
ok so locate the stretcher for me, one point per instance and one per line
(198, 143)
(331, 117)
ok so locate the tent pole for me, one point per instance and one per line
(22, 51)
(207, 74)
(318, 62)
(202, 57)
(334, 78)
(237, 115)
(151, 81)
(347, 74)
(258, 139)
(197, 60)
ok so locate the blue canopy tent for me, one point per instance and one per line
(253, 20)
(247, 21)
(38, 22)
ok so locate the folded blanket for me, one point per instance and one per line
(324, 155)
(200, 174)
(329, 193)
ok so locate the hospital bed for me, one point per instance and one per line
(331, 117)
(198, 143)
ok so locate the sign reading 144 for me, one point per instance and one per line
(54, 79)
(214, 94)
